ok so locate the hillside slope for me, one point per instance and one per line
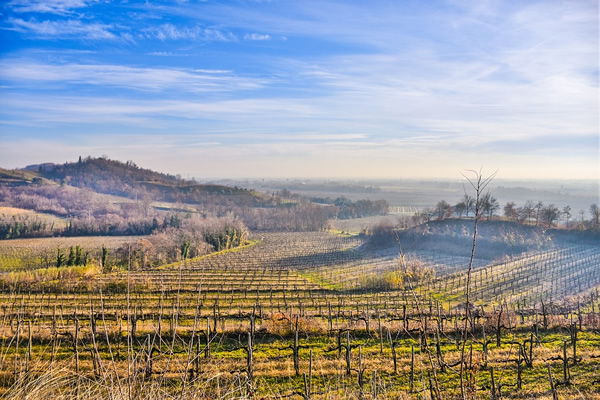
(113, 177)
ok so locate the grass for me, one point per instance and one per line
(319, 280)
(248, 244)
(22, 254)
(8, 213)
(274, 372)
(273, 366)
(231, 293)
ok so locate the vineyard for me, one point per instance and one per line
(29, 254)
(296, 315)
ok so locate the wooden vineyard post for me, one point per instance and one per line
(574, 342)
(253, 326)
(306, 395)
(493, 383)
(159, 323)
(470, 358)
(208, 339)
(393, 347)
(295, 350)
(310, 365)
(438, 348)
(530, 361)
(499, 327)
(249, 359)
(485, 348)
(54, 338)
(76, 349)
(374, 385)
(28, 356)
(92, 320)
(519, 368)
(197, 357)
(545, 316)
(552, 388)
(361, 370)
(119, 322)
(380, 333)
(17, 360)
(579, 316)
(348, 353)
(412, 369)
(566, 379)
(215, 317)
(329, 317)
(148, 369)
(134, 318)
(18, 336)
(75, 346)
(97, 361)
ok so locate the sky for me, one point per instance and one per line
(290, 88)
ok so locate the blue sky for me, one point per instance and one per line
(305, 88)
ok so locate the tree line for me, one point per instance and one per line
(530, 213)
(191, 239)
(346, 209)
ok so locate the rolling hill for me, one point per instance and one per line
(126, 179)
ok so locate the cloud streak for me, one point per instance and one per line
(62, 29)
(59, 7)
(171, 32)
(154, 79)
(257, 36)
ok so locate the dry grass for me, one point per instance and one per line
(23, 254)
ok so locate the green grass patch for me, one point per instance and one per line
(318, 280)
(248, 244)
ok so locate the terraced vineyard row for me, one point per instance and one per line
(545, 276)
(26, 254)
(252, 321)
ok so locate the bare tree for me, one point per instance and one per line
(566, 212)
(489, 205)
(510, 211)
(428, 213)
(460, 208)
(443, 209)
(595, 211)
(582, 222)
(538, 212)
(469, 203)
(527, 211)
(479, 183)
(550, 213)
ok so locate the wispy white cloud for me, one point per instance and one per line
(173, 32)
(300, 136)
(60, 7)
(22, 72)
(22, 110)
(256, 36)
(72, 28)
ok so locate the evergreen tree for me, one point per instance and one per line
(185, 250)
(60, 258)
(71, 259)
(78, 260)
(104, 258)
